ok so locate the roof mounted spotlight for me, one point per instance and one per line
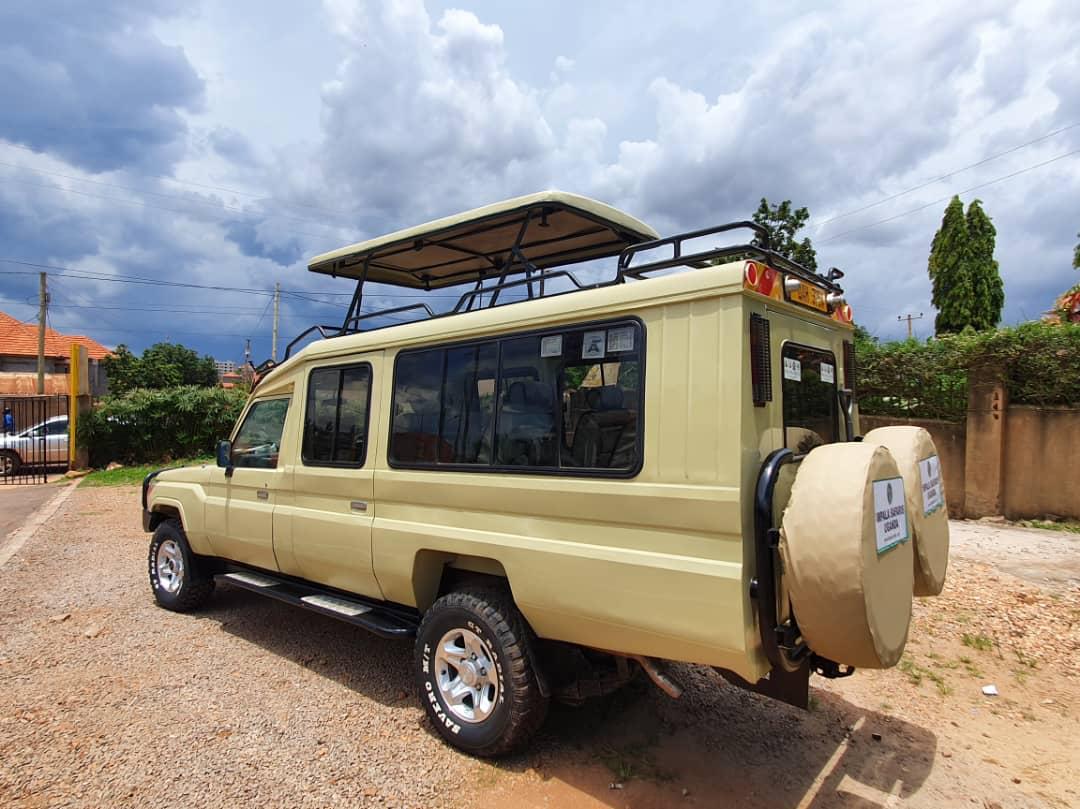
(835, 298)
(791, 283)
(835, 274)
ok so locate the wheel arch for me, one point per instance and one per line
(436, 573)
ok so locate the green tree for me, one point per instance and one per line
(989, 291)
(783, 222)
(1076, 254)
(163, 365)
(950, 278)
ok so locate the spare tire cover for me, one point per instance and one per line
(919, 465)
(844, 544)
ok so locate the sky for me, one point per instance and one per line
(168, 162)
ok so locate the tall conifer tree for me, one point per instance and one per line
(989, 291)
(950, 276)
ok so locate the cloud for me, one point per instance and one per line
(91, 83)
(433, 112)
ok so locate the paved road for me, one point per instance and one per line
(1048, 558)
(18, 502)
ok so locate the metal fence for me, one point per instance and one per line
(33, 438)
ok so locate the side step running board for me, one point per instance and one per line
(382, 619)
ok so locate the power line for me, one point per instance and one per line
(950, 196)
(946, 176)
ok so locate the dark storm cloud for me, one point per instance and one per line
(89, 82)
(245, 235)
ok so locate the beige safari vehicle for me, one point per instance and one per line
(601, 451)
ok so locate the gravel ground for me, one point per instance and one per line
(107, 700)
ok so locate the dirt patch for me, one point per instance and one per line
(106, 700)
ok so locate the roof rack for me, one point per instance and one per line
(462, 249)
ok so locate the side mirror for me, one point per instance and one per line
(224, 454)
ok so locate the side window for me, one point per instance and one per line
(468, 404)
(528, 426)
(58, 427)
(258, 440)
(336, 416)
(809, 390)
(564, 400)
(417, 387)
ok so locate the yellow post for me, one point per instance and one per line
(78, 399)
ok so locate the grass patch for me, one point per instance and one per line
(1025, 660)
(979, 642)
(916, 674)
(970, 667)
(133, 475)
(1071, 526)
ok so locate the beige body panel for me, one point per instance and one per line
(657, 564)
(324, 533)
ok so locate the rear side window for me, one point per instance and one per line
(566, 400)
(336, 416)
(809, 390)
(258, 441)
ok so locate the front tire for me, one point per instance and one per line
(475, 673)
(175, 578)
(9, 463)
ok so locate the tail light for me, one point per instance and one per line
(761, 278)
(760, 360)
(849, 364)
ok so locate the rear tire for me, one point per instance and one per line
(175, 578)
(475, 673)
(9, 463)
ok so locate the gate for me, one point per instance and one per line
(33, 437)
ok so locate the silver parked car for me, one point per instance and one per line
(44, 444)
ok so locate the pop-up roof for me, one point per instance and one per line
(549, 229)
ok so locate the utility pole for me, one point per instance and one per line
(277, 304)
(43, 307)
(909, 318)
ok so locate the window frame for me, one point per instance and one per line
(287, 398)
(835, 385)
(304, 460)
(548, 471)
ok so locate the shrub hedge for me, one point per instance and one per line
(1038, 362)
(148, 426)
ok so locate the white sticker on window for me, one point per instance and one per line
(592, 345)
(551, 346)
(930, 478)
(792, 369)
(828, 373)
(620, 339)
(890, 514)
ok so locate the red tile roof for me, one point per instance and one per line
(19, 339)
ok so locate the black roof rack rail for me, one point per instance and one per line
(536, 280)
(759, 248)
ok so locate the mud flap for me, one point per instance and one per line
(792, 687)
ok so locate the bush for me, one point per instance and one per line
(1036, 361)
(147, 426)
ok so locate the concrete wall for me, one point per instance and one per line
(1042, 463)
(951, 441)
(1020, 461)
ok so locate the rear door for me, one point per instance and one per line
(329, 536)
(56, 440)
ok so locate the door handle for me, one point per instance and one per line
(358, 505)
(262, 494)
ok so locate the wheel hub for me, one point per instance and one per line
(466, 675)
(170, 565)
